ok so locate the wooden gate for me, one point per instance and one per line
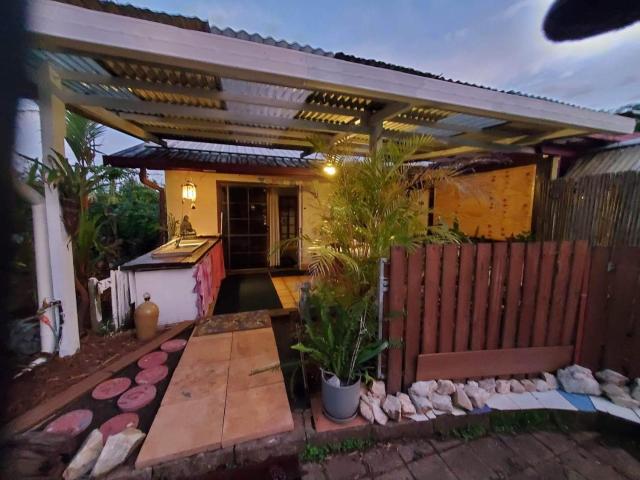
(611, 337)
(487, 309)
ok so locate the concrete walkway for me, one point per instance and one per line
(540, 455)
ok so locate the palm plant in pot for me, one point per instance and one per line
(375, 202)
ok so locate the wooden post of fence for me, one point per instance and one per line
(397, 295)
(95, 306)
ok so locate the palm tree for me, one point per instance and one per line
(375, 202)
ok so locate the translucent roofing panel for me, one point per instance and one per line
(471, 121)
(255, 89)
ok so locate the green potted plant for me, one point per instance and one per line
(337, 340)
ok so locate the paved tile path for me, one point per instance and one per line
(288, 289)
(539, 455)
(221, 393)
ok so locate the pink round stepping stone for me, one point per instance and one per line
(118, 423)
(137, 397)
(153, 359)
(111, 388)
(175, 345)
(72, 423)
(152, 375)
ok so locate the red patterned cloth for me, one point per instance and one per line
(209, 274)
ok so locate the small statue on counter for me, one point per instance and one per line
(185, 227)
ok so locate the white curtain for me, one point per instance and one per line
(273, 218)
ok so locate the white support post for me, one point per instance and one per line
(52, 126)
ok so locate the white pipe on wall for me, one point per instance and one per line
(42, 260)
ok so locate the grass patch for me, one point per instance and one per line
(317, 453)
(522, 421)
(470, 432)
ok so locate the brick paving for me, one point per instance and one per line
(525, 456)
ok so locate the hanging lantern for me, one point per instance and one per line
(189, 193)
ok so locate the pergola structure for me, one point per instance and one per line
(155, 76)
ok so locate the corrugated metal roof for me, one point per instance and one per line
(213, 154)
(610, 160)
(192, 23)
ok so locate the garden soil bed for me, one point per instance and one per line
(47, 380)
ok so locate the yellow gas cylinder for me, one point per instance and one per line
(146, 319)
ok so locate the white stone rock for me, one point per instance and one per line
(528, 385)
(488, 384)
(116, 450)
(422, 404)
(86, 457)
(406, 405)
(333, 381)
(516, 386)
(635, 392)
(366, 411)
(613, 390)
(620, 395)
(378, 389)
(477, 395)
(418, 417)
(625, 401)
(577, 379)
(503, 386)
(423, 388)
(392, 407)
(541, 385)
(550, 378)
(445, 387)
(461, 399)
(611, 376)
(378, 414)
(442, 402)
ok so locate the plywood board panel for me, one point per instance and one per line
(495, 205)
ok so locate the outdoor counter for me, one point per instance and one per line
(183, 287)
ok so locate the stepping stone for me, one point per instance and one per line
(175, 345)
(153, 359)
(501, 401)
(578, 400)
(553, 400)
(111, 388)
(72, 423)
(152, 375)
(604, 405)
(480, 411)
(526, 401)
(136, 398)
(118, 423)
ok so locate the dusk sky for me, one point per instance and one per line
(498, 43)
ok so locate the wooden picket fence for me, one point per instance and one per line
(487, 309)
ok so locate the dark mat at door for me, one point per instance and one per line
(245, 293)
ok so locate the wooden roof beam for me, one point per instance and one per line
(110, 119)
(227, 136)
(151, 121)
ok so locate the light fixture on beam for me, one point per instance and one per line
(329, 169)
(189, 193)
